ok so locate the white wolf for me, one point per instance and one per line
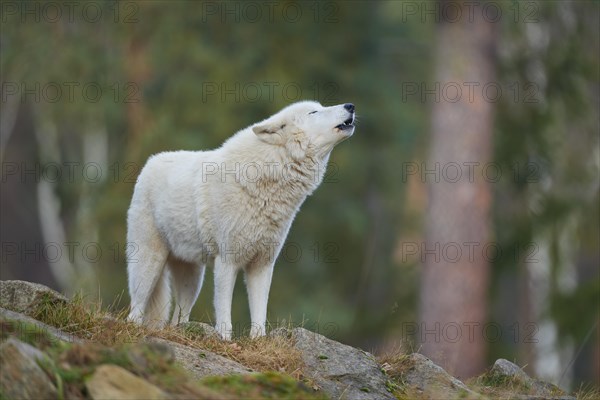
(234, 205)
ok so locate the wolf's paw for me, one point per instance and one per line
(257, 331)
(136, 317)
(224, 330)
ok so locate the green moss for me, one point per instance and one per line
(60, 387)
(72, 364)
(269, 385)
(28, 333)
(392, 386)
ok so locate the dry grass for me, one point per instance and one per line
(262, 354)
(391, 362)
(588, 393)
(88, 320)
(502, 389)
(506, 387)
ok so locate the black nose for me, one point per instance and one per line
(349, 107)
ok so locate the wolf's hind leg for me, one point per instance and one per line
(186, 279)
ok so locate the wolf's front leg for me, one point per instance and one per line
(225, 274)
(258, 283)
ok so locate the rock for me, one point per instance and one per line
(23, 297)
(142, 355)
(201, 363)
(20, 375)
(505, 368)
(28, 350)
(24, 326)
(200, 328)
(341, 371)
(420, 374)
(505, 373)
(115, 383)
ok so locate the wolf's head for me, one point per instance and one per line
(307, 125)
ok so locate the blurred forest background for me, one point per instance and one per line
(461, 218)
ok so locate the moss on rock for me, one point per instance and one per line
(268, 385)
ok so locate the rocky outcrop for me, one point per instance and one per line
(127, 371)
(505, 373)
(430, 380)
(20, 375)
(341, 371)
(23, 297)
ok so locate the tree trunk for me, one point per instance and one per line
(25, 254)
(138, 70)
(454, 286)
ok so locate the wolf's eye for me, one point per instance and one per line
(312, 112)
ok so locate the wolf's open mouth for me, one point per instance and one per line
(349, 123)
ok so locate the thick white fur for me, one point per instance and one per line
(234, 204)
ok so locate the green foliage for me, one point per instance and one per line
(585, 300)
(546, 138)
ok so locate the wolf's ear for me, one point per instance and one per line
(270, 132)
